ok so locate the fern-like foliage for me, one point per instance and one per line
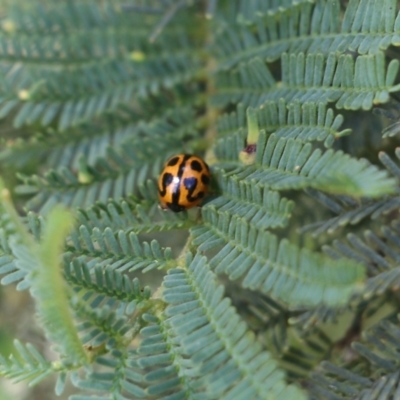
(106, 77)
(290, 164)
(351, 84)
(131, 216)
(122, 251)
(105, 286)
(284, 285)
(263, 208)
(117, 179)
(231, 363)
(27, 364)
(366, 27)
(380, 351)
(270, 266)
(92, 142)
(308, 121)
(350, 212)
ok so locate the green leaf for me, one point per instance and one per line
(350, 84)
(231, 362)
(49, 290)
(26, 363)
(309, 121)
(290, 164)
(297, 277)
(365, 27)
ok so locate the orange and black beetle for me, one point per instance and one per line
(183, 182)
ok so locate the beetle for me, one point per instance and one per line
(183, 182)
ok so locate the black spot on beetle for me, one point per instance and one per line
(173, 161)
(196, 166)
(190, 184)
(205, 179)
(166, 180)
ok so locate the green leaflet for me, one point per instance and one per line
(378, 349)
(212, 335)
(131, 217)
(352, 85)
(41, 263)
(168, 373)
(127, 383)
(377, 249)
(258, 205)
(295, 276)
(48, 287)
(65, 149)
(26, 364)
(99, 285)
(310, 121)
(290, 164)
(72, 75)
(122, 251)
(366, 27)
(350, 212)
(114, 181)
